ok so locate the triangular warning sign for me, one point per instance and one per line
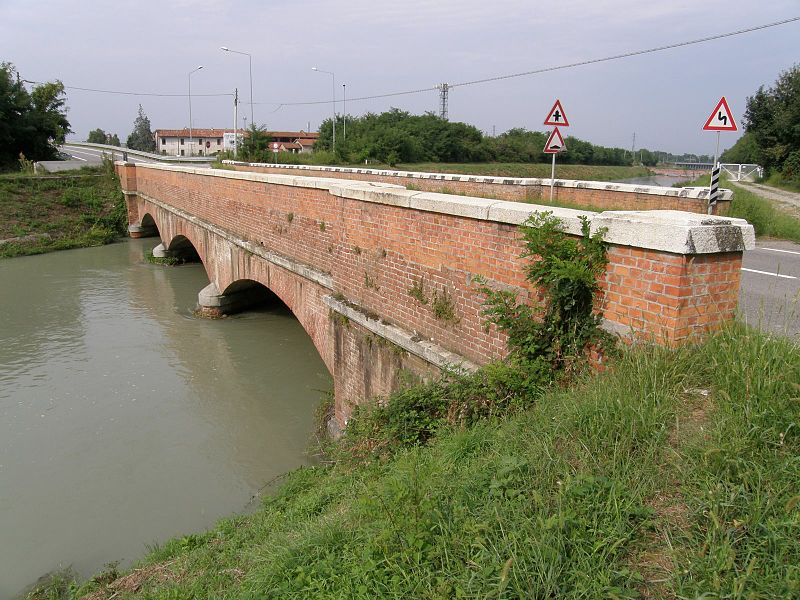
(555, 143)
(556, 117)
(721, 119)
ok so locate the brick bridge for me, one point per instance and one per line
(361, 264)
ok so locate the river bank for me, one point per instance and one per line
(41, 214)
(664, 476)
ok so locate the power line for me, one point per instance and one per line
(628, 54)
(121, 93)
(559, 67)
(463, 83)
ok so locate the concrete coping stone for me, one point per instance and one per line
(425, 349)
(671, 231)
(632, 188)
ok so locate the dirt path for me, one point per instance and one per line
(788, 201)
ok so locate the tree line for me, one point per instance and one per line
(772, 128)
(32, 124)
(397, 136)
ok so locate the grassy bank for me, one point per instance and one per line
(56, 212)
(672, 474)
(777, 180)
(763, 215)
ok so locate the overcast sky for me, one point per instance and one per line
(377, 46)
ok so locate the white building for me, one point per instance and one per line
(208, 142)
(201, 142)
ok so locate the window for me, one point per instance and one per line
(219, 141)
(181, 141)
(182, 151)
(163, 141)
(201, 141)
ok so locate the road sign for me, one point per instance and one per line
(555, 143)
(721, 118)
(557, 117)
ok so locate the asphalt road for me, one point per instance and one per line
(770, 292)
(91, 156)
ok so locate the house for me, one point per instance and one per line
(208, 142)
(197, 142)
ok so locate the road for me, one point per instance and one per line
(92, 156)
(770, 290)
(788, 201)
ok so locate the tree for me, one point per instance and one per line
(31, 123)
(141, 138)
(745, 150)
(773, 118)
(97, 136)
(255, 143)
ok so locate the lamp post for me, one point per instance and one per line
(333, 87)
(250, 58)
(344, 111)
(191, 134)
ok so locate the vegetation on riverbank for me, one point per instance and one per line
(672, 473)
(57, 212)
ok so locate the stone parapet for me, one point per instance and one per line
(597, 194)
(363, 261)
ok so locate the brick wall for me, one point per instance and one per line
(373, 253)
(598, 196)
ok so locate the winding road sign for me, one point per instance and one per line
(557, 117)
(721, 118)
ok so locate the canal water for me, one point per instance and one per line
(124, 419)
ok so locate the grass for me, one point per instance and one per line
(766, 218)
(763, 215)
(74, 210)
(777, 180)
(672, 474)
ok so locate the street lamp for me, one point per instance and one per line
(250, 58)
(333, 87)
(344, 111)
(191, 135)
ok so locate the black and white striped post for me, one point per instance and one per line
(713, 191)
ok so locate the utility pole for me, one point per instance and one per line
(633, 145)
(444, 90)
(235, 122)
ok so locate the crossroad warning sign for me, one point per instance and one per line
(555, 143)
(721, 119)
(557, 117)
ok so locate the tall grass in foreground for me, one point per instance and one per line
(673, 474)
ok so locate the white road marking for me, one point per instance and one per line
(768, 273)
(92, 154)
(779, 250)
(77, 157)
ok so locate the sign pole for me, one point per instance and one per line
(721, 119)
(552, 178)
